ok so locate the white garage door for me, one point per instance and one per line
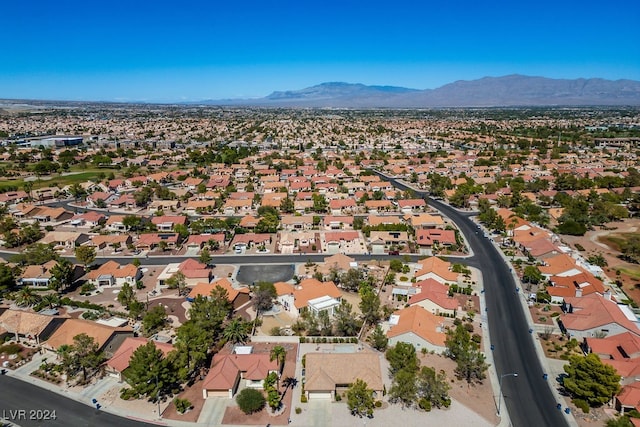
(320, 395)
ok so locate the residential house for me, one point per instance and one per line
(38, 276)
(621, 351)
(577, 285)
(46, 215)
(417, 326)
(343, 242)
(200, 240)
(88, 219)
(164, 206)
(380, 241)
(296, 222)
(168, 222)
(310, 294)
(116, 223)
(108, 338)
(338, 263)
(332, 222)
(150, 241)
(342, 206)
(228, 370)
(594, 315)
(408, 206)
(28, 327)
(119, 362)
(424, 221)
(114, 242)
(428, 239)
(434, 297)
(193, 271)
(326, 374)
(237, 296)
(437, 269)
(67, 240)
(251, 239)
(111, 273)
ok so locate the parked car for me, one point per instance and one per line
(394, 252)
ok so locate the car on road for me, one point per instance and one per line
(394, 252)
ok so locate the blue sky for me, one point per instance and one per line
(127, 50)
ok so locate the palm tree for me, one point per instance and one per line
(236, 332)
(278, 353)
(26, 298)
(52, 300)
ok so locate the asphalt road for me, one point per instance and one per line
(528, 398)
(28, 405)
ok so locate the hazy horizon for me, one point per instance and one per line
(156, 52)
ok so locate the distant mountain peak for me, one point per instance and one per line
(509, 90)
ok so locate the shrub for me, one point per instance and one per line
(424, 404)
(378, 403)
(250, 400)
(298, 410)
(127, 393)
(338, 397)
(182, 405)
(11, 348)
(582, 404)
(579, 247)
(303, 399)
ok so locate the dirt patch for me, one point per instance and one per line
(603, 241)
(558, 347)
(478, 397)
(543, 314)
(193, 394)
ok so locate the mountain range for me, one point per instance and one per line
(507, 91)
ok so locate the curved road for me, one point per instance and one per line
(528, 397)
(28, 405)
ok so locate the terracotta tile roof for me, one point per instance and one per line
(308, 289)
(326, 370)
(438, 267)
(593, 311)
(435, 292)
(204, 289)
(225, 369)
(427, 237)
(336, 236)
(420, 322)
(114, 269)
(173, 219)
(584, 282)
(38, 271)
(24, 322)
(630, 396)
(72, 327)
(342, 203)
(558, 264)
(120, 360)
(412, 203)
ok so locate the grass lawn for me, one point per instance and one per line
(76, 176)
(633, 273)
(615, 241)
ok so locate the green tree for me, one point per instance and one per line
(378, 339)
(83, 356)
(126, 295)
(369, 305)
(621, 421)
(360, 399)
(532, 274)
(395, 265)
(52, 300)
(205, 256)
(279, 354)
(403, 388)
(236, 331)
(432, 386)
(470, 362)
(154, 320)
(351, 280)
(402, 356)
(25, 297)
(591, 380)
(177, 281)
(287, 205)
(7, 278)
(345, 321)
(85, 255)
(36, 254)
(147, 364)
(192, 347)
(250, 400)
(320, 203)
(61, 274)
